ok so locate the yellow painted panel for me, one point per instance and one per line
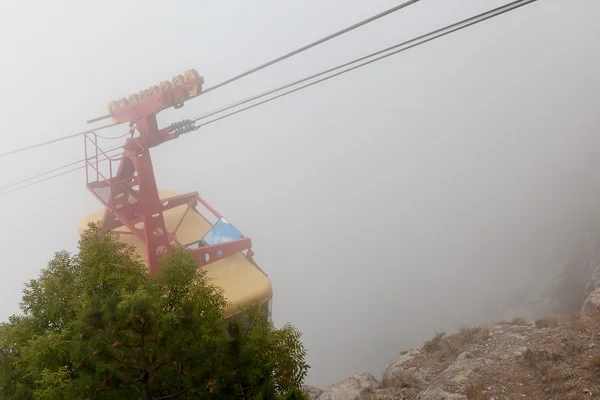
(241, 281)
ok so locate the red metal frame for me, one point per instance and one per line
(132, 199)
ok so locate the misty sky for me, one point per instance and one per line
(401, 199)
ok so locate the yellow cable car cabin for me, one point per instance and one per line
(242, 281)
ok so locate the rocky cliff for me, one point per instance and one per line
(551, 358)
(555, 357)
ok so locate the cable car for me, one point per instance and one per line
(241, 279)
(153, 220)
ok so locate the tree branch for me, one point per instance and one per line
(172, 395)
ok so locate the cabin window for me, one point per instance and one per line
(195, 245)
(222, 232)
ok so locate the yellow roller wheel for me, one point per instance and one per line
(165, 86)
(152, 90)
(134, 98)
(112, 106)
(191, 75)
(143, 94)
(123, 103)
(177, 80)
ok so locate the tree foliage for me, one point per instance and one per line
(96, 326)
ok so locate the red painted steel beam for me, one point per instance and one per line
(133, 199)
(207, 254)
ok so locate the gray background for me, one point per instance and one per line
(405, 198)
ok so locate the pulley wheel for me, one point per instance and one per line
(191, 75)
(177, 80)
(165, 86)
(152, 90)
(112, 106)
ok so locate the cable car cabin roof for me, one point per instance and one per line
(242, 282)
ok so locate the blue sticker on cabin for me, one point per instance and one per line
(222, 232)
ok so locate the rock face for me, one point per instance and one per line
(352, 388)
(439, 394)
(591, 306)
(395, 370)
(548, 358)
(579, 278)
(454, 376)
(313, 392)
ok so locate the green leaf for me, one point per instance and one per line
(95, 325)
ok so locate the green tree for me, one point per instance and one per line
(96, 326)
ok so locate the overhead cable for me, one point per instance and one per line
(51, 171)
(311, 45)
(404, 45)
(407, 45)
(235, 78)
(297, 51)
(55, 140)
